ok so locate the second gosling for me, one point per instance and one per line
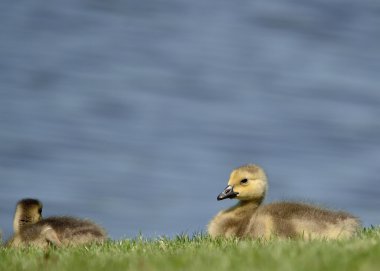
(30, 229)
(249, 218)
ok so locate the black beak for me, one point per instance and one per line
(227, 193)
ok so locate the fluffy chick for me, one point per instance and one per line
(30, 229)
(249, 218)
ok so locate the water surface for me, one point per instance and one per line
(133, 113)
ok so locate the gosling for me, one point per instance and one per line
(249, 218)
(30, 229)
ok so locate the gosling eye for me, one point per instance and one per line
(40, 210)
(244, 181)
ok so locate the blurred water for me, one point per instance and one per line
(133, 113)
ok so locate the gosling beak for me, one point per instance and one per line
(227, 193)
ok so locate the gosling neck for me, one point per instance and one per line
(248, 204)
(251, 203)
(22, 218)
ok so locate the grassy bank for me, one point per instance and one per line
(201, 253)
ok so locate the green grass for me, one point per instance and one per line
(201, 253)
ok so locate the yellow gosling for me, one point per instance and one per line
(249, 218)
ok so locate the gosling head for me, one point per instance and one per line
(246, 183)
(28, 211)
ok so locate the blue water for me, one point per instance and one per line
(133, 113)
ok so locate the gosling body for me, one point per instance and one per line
(58, 230)
(249, 218)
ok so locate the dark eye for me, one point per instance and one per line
(244, 181)
(40, 210)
